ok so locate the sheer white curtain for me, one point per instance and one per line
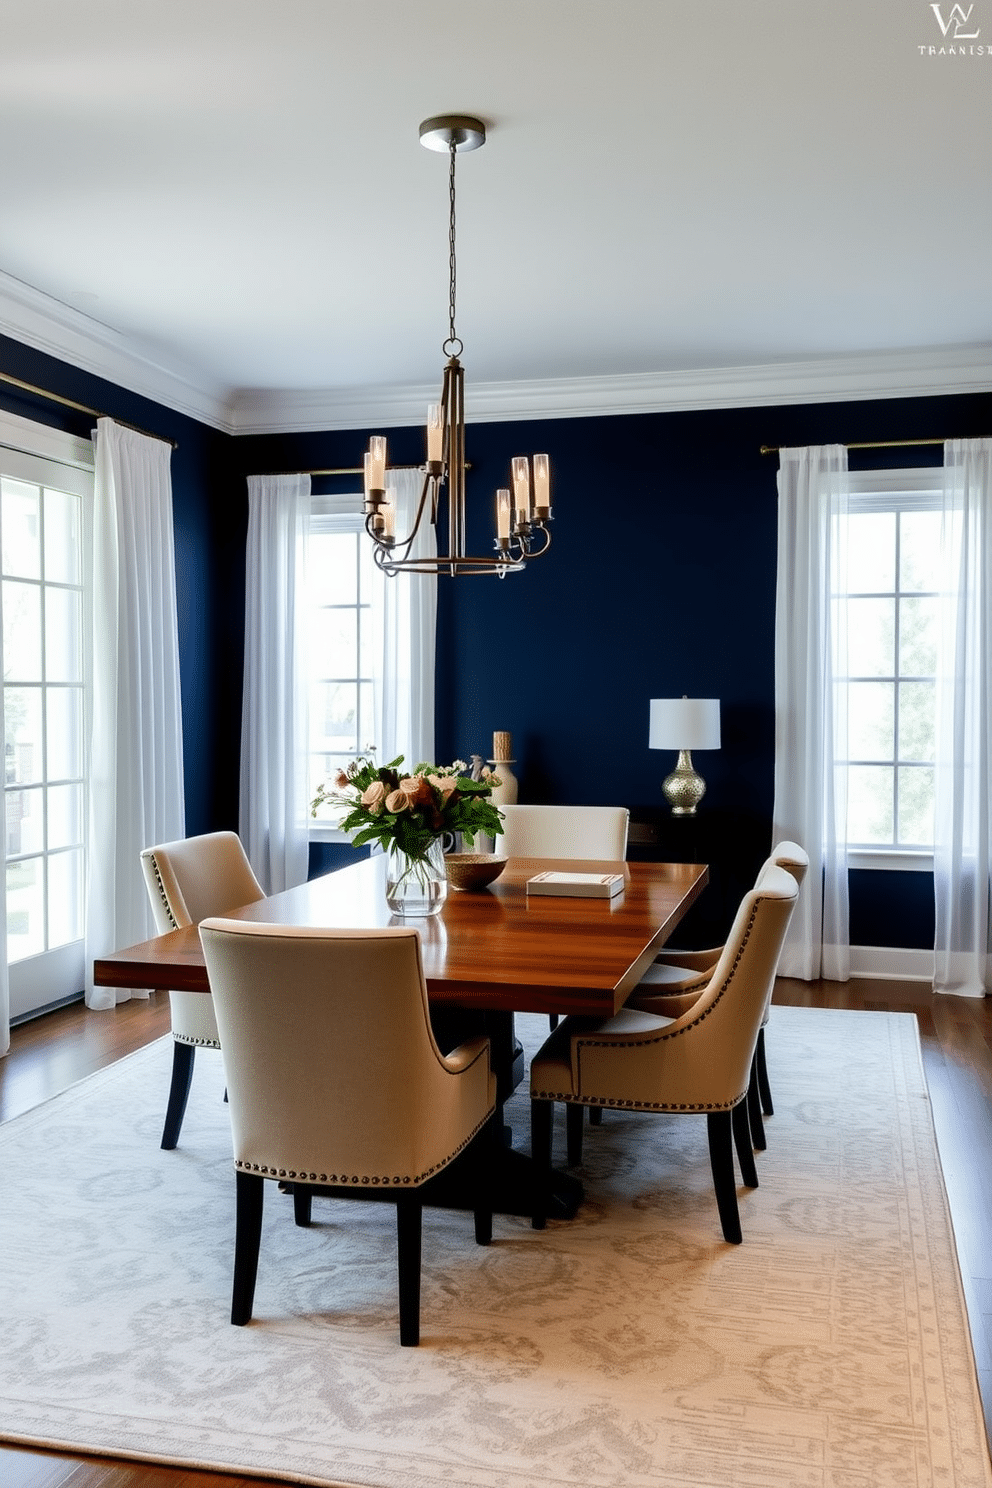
(274, 809)
(404, 638)
(4, 977)
(136, 751)
(962, 864)
(810, 708)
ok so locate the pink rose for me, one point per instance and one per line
(373, 796)
(397, 801)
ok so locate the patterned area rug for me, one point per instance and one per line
(629, 1347)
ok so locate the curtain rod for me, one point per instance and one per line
(773, 449)
(29, 387)
(348, 470)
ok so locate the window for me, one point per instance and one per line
(44, 527)
(371, 641)
(343, 583)
(892, 554)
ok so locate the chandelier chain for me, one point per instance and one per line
(452, 346)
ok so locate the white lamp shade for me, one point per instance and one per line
(684, 723)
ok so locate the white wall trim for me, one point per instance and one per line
(61, 331)
(37, 320)
(922, 373)
(888, 963)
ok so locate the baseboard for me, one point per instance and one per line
(49, 1007)
(888, 963)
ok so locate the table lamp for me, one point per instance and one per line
(684, 724)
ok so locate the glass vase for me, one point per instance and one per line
(416, 885)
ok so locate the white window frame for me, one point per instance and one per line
(42, 455)
(884, 491)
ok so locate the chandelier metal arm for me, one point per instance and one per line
(374, 523)
(523, 543)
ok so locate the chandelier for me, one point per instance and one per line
(523, 515)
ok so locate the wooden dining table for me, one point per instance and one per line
(487, 955)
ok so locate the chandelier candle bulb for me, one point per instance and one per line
(377, 463)
(503, 515)
(389, 516)
(542, 487)
(521, 488)
(435, 435)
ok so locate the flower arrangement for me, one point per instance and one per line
(410, 812)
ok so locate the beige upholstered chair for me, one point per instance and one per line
(598, 833)
(699, 1062)
(335, 1082)
(594, 833)
(671, 985)
(186, 881)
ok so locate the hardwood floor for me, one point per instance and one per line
(53, 1052)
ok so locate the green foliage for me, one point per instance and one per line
(385, 806)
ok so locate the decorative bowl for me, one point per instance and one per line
(473, 870)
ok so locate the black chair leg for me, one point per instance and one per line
(250, 1192)
(302, 1204)
(489, 1144)
(595, 1115)
(718, 1130)
(742, 1141)
(573, 1133)
(754, 1112)
(182, 1076)
(409, 1214)
(541, 1115)
(761, 1069)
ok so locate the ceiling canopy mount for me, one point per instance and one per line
(444, 130)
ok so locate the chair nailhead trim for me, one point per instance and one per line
(164, 896)
(358, 1180)
(196, 1043)
(629, 1105)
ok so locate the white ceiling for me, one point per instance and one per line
(229, 196)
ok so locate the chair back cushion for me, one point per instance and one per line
(197, 877)
(333, 1074)
(791, 857)
(590, 832)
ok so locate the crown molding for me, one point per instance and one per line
(47, 325)
(60, 331)
(925, 372)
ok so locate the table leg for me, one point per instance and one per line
(513, 1171)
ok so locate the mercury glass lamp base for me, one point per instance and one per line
(684, 789)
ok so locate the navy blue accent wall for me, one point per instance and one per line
(210, 605)
(660, 581)
(892, 909)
